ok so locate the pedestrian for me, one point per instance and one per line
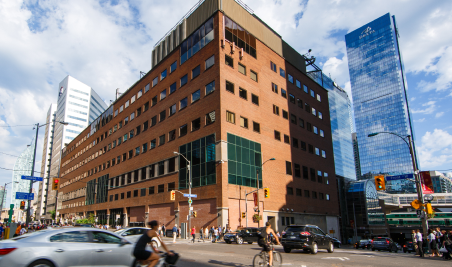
(413, 237)
(2, 231)
(216, 234)
(160, 230)
(17, 233)
(174, 233)
(278, 235)
(201, 235)
(179, 232)
(419, 242)
(206, 232)
(193, 233)
(211, 231)
(447, 243)
(164, 230)
(431, 238)
(23, 230)
(438, 237)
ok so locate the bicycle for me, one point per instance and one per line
(163, 262)
(263, 258)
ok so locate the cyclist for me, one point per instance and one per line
(266, 237)
(146, 256)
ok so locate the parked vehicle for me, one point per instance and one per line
(241, 235)
(67, 247)
(384, 243)
(132, 234)
(409, 247)
(306, 237)
(363, 243)
(336, 242)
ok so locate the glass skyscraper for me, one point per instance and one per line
(380, 96)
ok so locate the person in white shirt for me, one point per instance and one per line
(419, 242)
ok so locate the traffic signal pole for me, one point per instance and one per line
(27, 216)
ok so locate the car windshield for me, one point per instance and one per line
(295, 229)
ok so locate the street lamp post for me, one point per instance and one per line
(189, 189)
(416, 173)
(258, 204)
(3, 197)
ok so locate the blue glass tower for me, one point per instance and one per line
(380, 96)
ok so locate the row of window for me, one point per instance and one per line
(307, 193)
(230, 117)
(142, 191)
(301, 122)
(298, 171)
(311, 148)
(229, 61)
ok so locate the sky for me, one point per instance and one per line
(105, 44)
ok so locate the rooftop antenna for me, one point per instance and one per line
(142, 73)
(311, 60)
(117, 93)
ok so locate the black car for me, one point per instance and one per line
(409, 247)
(384, 243)
(306, 237)
(248, 234)
(336, 242)
(363, 243)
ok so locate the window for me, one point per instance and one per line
(312, 93)
(288, 167)
(319, 98)
(122, 195)
(297, 170)
(145, 125)
(230, 117)
(155, 81)
(298, 84)
(314, 194)
(290, 78)
(173, 66)
(162, 116)
(161, 188)
(116, 113)
(130, 154)
(243, 39)
(229, 61)
(137, 151)
(292, 98)
(73, 236)
(322, 134)
(285, 114)
(298, 192)
(196, 96)
(274, 88)
(210, 62)
(183, 130)
(143, 192)
(171, 135)
(320, 115)
(172, 110)
(138, 130)
(153, 121)
(132, 100)
(273, 66)
(172, 88)
(290, 190)
(312, 171)
(121, 108)
(282, 73)
(303, 145)
(161, 140)
(146, 107)
(317, 151)
(210, 87)
(286, 139)
(244, 122)
(210, 117)
(161, 168)
(311, 149)
(183, 80)
(321, 196)
(125, 138)
(242, 93)
(295, 142)
(327, 197)
(277, 135)
(183, 104)
(196, 124)
(132, 116)
(195, 72)
(144, 148)
(305, 172)
(151, 190)
(299, 103)
(154, 100)
(305, 88)
(319, 176)
(283, 93)
(153, 144)
(163, 75)
(119, 141)
(323, 154)
(308, 127)
(163, 94)
(127, 104)
(293, 119)
(315, 130)
(242, 69)
(307, 107)
(229, 87)
(306, 193)
(275, 110)
(146, 88)
(301, 122)
(124, 157)
(314, 112)
(256, 127)
(255, 99)
(253, 75)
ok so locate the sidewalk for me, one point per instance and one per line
(180, 240)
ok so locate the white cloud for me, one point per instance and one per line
(435, 149)
(429, 108)
(439, 114)
(412, 99)
(420, 120)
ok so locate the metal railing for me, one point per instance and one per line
(406, 199)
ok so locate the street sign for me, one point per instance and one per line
(399, 177)
(27, 196)
(190, 201)
(192, 195)
(33, 178)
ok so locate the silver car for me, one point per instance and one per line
(132, 234)
(77, 246)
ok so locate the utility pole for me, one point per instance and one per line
(27, 216)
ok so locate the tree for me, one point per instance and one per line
(53, 214)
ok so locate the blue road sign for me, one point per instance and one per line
(399, 177)
(192, 195)
(33, 178)
(26, 196)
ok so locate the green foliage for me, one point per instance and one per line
(53, 214)
(89, 220)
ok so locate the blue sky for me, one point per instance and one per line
(105, 44)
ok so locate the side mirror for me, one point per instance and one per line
(123, 242)
(123, 234)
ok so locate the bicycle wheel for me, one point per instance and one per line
(277, 259)
(259, 260)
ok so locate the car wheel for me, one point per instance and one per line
(330, 248)
(239, 240)
(41, 263)
(287, 250)
(250, 243)
(315, 248)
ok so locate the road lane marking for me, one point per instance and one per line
(339, 258)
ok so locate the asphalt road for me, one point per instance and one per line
(222, 254)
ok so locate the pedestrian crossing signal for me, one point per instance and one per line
(173, 195)
(267, 192)
(22, 205)
(380, 182)
(195, 214)
(55, 183)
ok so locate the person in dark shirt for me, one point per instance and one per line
(147, 257)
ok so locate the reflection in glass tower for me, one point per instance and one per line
(22, 167)
(379, 97)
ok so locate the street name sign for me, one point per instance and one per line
(26, 196)
(399, 177)
(33, 178)
(192, 195)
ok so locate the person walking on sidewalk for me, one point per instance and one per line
(164, 230)
(211, 232)
(180, 232)
(174, 233)
(160, 230)
(201, 235)
(193, 233)
(419, 242)
(206, 233)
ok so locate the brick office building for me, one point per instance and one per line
(228, 93)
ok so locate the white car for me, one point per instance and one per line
(132, 234)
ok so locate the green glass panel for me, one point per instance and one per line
(210, 168)
(257, 147)
(239, 180)
(246, 170)
(252, 145)
(182, 149)
(239, 154)
(231, 152)
(247, 181)
(232, 167)
(245, 143)
(245, 155)
(238, 140)
(239, 169)
(203, 169)
(253, 182)
(231, 138)
(232, 179)
(196, 182)
(212, 179)
(257, 159)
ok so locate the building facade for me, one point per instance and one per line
(227, 93)
(3, 193)
(78, 105)
(380, 97)
(441, 183)
(22, 167)
(356, 156)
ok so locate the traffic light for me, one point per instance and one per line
(173, 195)
(195, 214)
(380, 182)
(267, 192)
(22, 205)
(243, 214)
(55, 184)
(429, 208)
